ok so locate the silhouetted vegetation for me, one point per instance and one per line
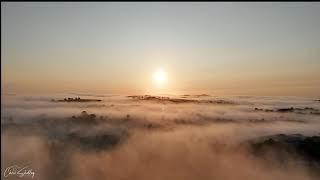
(295, 145)
(164, 99)
(77, 99)
(305, 110)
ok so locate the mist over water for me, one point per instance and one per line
(197, 137)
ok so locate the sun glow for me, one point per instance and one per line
(159, 77)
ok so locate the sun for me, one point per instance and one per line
(159, 77)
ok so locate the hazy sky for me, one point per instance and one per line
(217, 48)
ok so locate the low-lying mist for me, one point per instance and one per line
(177, 137)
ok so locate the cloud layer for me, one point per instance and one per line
(126, 138)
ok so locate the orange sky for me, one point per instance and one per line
(214, 48)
